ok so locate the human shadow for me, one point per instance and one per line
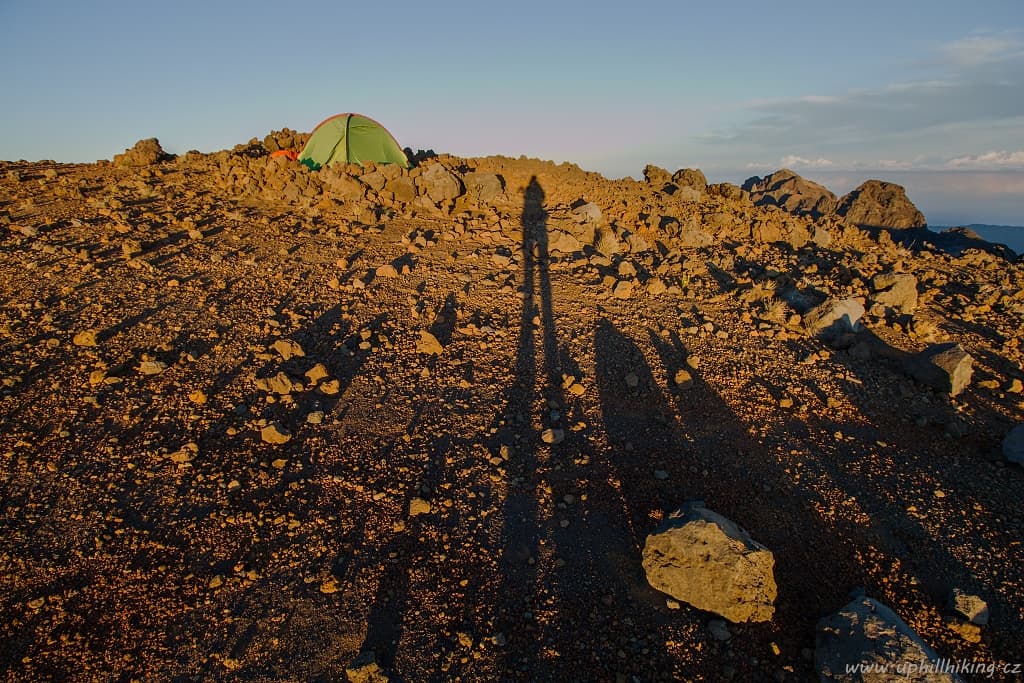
(935, 455)
(684, 442)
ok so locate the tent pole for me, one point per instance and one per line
(348, 122)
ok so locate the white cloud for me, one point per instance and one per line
(792, 160)
(973, 88)
(894, 164)
(994, 159)
(982, 48)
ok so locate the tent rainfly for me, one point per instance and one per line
(351, 138)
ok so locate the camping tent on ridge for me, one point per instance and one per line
(352, 138)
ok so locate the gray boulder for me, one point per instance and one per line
(791, 192)
(656, 176)
(587, 213)
(700, 557)
(690, 177)
(944, 367)
(439, 183)
(560, 242)
(485, 187)
(880, 204)
(144, 153)
(833, 318)
(1013, 445)
(896, 291)
(971, 607)
(867, 641)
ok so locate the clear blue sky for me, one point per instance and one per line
(929, 94)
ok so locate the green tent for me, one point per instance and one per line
(351, 138)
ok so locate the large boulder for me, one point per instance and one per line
(700, 557)
(728, 191)
(439, 183)
(656, 176)
(790, 192)
(833, 318)
(690, 177)
(1013, 445)
(895, 290)
(944, 367)
(880, 204)
(144, 153)
(486, 188)
(867, 641)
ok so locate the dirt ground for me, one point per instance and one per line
(173, 508)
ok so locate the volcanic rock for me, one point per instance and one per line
(486, 188)
(897, 291)
(690, 177)
(880, 204)
(866, 634)
(429, 344)
(1013, 445)
(144, 153)
(700, 557)
(944, 367)
(791, 192)
(439, 183)
(656, 176)
(833, 318)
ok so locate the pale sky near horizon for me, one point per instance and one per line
(926, 94)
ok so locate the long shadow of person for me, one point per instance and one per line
(907, 469)
(670, 446)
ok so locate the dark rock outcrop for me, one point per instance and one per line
(880, 204)
(790, 192)
(144, 153)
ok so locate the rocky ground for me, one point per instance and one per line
(259, 422)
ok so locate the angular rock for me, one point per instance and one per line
(274, 433)
(347, 188)
(144, 153)
(867, 641)
(690, 177)
(790, 192)
(418, 506)
(85, 338)
(486, 188)
(970, 607)
(944, 367)
(656, 176)
(375, 180)
(317, 373)
(700, 557)
(895, 290)
(553, 436)
(1013, 445)
(330, 388)
(440, 184)
(623, 289)
(587, 213)
(152, 367)
(280, 384)
(727, 191)
(560, 242)
(880, 204)
(403, 188)
(429, 344)
(833, 318)
(288, 348)
(364, 669)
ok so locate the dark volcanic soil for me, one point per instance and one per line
(151, 530)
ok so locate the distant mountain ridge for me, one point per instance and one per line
(1010, 235)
